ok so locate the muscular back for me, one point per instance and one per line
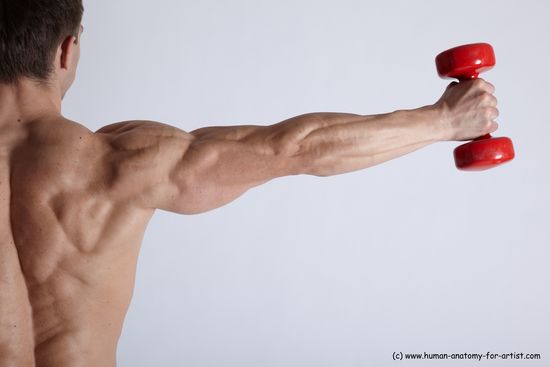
(70, 235)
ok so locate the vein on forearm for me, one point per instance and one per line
(337, 143)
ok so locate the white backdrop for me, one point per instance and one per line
(410, 256)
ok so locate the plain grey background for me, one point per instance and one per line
(410, 256)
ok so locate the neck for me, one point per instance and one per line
(29, 100)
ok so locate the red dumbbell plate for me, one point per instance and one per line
(483, 153)
(465, 62)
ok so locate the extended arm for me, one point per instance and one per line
(209, 167)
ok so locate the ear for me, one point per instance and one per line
(66, 49)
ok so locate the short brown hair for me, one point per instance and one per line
(30, 33)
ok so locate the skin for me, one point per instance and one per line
(74, 204)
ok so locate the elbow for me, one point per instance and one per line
(294, 161)
(307, 161)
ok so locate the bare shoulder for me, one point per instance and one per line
(128, 132)
(140, 156)
(142, 139)
(158, 166)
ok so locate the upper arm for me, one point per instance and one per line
(160, 166)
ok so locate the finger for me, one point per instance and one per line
(493, 127)
(491, 113)
(491, 87)
(486, 86)
(488, 99)
(496, 113)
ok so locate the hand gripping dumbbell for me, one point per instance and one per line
(464, 63)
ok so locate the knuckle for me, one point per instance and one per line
(493, 126)
(486, 97)
(490, 113)
(478, 83)
(484, 85)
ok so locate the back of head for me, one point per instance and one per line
(30, 33)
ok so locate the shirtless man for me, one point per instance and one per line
(74, 204)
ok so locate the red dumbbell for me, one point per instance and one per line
(464, 63)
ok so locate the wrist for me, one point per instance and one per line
(433, 117)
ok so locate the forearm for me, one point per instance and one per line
(220, 163)
(325, 144)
